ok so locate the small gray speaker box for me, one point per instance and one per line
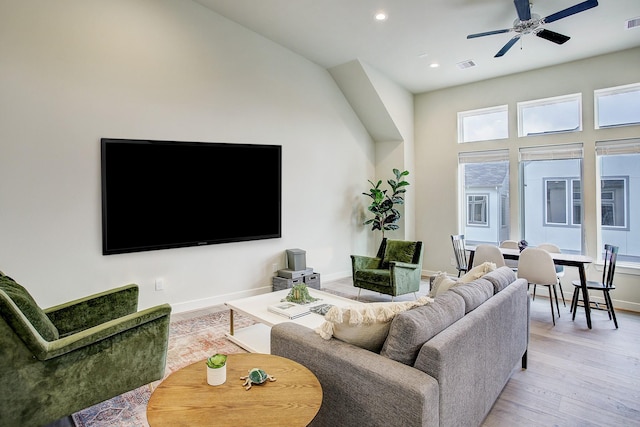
(296, 259)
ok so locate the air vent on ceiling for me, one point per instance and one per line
(466, 64)
(632, 23)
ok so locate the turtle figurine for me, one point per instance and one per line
(256, 376)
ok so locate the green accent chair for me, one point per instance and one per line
(60, 360)
(395, 270)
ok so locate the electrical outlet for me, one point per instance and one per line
(274, 267)
(159, 285)
(453, 262)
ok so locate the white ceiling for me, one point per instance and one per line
(420, 32)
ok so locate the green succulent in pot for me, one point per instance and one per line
(217, 361)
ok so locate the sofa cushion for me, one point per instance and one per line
(364, 325)
(23, 300)
(501, 278)
(474, 293)
(411, 329)
(398, 250)
(443, 282)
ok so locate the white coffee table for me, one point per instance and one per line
(257, 338)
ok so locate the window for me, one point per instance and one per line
(613, 201)
(551, 195)
(484, 189)
(617, 106)
(576, 202)
(483, 124)
(619, 195)
(550, 115)
(477, 209)
(556, 201)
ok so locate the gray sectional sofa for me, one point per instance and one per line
(442, 364)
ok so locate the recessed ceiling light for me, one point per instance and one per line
(434, 65)
(380, 16)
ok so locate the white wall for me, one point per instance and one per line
(72, 72)
(437, 150)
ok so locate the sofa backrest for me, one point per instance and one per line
(474, 293)
(500, 278)
(410, 329)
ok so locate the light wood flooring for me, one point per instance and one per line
(575, 376)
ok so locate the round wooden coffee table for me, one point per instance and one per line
(185, 399)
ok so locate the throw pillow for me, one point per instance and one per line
(478, 271)
(364, 325)
(441, 284)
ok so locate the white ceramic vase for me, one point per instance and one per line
(216, 376)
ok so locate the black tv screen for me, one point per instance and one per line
(169, 194)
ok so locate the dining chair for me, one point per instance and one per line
(488, 253)
(460, 253)
(606, 286)
(537, 267)
(554, 249)
(510, 244)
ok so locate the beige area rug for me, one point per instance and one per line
(189, 341)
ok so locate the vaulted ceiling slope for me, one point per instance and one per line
(419, 33)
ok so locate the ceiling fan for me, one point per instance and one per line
(531, 23)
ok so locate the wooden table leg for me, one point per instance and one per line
(585, 294)
(231, 322)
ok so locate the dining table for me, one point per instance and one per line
(570, 260)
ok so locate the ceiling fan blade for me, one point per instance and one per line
(507, 46)
(580, 7)
(488, 33)
(552, 36)
(523, 9)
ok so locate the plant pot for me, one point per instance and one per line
(216, 376)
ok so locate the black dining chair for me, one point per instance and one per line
(460, 253)
(606, 286)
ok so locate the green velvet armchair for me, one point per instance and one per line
(60, 360)
(396, 269)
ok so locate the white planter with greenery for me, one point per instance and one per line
(217, 369)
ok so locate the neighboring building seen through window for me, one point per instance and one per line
(618, 166)
(484, 178)
(551, 207)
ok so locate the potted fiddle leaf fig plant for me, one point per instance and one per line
(385, 215)
(217, 369)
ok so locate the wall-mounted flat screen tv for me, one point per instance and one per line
(170, 194)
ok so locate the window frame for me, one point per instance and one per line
(523, 105)
(624, 205)
(612, 91)
(462, 115)
(485, 208)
